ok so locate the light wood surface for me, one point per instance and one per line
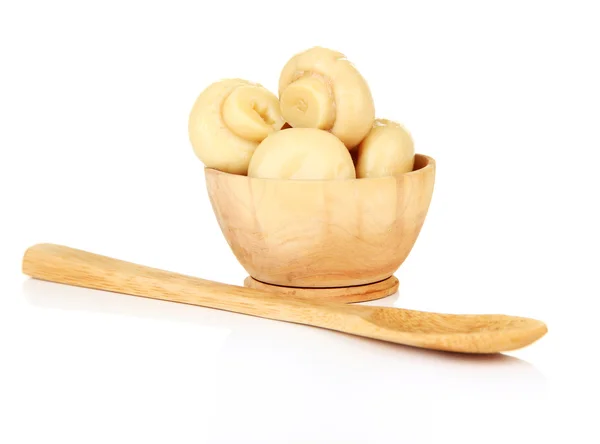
(459, 333)
(330, 233)
(357, 293)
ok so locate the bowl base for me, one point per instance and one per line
(357, 293)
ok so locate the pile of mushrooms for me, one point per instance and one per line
(321, 127)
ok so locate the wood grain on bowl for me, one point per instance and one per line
(322, 233)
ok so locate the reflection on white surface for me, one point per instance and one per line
(273, 372)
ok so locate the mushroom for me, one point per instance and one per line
(387, 150)
(228, 121)
(302, 153)
(320, 88)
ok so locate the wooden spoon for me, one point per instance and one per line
(456, 333)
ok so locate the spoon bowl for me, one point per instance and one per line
(486, 333)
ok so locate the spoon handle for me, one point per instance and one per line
(57, 263)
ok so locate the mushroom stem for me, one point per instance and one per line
(251, 112)
(308, 103)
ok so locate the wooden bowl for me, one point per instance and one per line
(322, 234)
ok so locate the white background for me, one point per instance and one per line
(94, 100)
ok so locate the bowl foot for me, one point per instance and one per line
(357, 293)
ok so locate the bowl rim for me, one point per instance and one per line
(429, 165)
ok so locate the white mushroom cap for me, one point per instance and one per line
(387, 150)
(302, 154)
(228, 121)
(320, 88)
